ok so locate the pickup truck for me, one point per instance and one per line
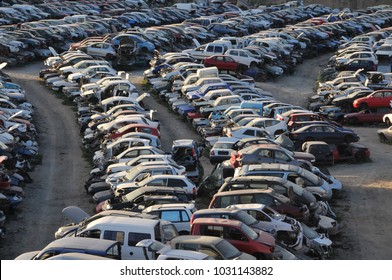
(207, 50)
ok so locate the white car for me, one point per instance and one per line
(100, 49)
(243, 57)
(178, 213)
(121, 166)
(221, 150)
(284, 228)
(272, 126)
(387, 118)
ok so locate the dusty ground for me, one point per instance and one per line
(58, 182)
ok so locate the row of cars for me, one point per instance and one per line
(18, 146)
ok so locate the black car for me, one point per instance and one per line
(321, 151)
(322, 132)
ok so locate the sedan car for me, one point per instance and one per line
(268, 153)
(323, 132)
(224, 62)
(366, 116)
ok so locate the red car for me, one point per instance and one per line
(135, 128)
(259, 244)
(367, 116)
(379, 98)
(224, 62)
(300, 118)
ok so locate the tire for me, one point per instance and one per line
(253, 64)
(360, 156)
(382, 138)
(348, 139)
(110, 56)
(353, 121)
(388, 121)
(363, 106)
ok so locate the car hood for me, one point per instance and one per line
(65, 230)
(266, 238)
(245, 256)
(27, 256)
(305, 156)
(75, 214)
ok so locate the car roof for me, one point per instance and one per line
(80, 243)
(217, 221)
(123, 221)
(170, 206)
(244, 192)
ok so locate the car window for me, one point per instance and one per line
(234, 234)
(158, 182)
(135, 237)
(184, 216)
(328, 129)
(282, 156)
(171, 216)
(114, 235)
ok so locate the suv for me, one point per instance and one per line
(178, 213)
(257, 243)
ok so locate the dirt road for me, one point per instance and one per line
(364, 207)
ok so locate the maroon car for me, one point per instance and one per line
(367, 116)
(224, 62)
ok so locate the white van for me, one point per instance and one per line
(129, 231)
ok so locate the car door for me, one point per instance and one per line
(331, 135)
(237, 238)
(264, 220)
(129, 250)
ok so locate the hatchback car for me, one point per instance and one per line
(257, 243)
(215, 247)
(379, 98)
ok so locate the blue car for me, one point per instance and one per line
(143, 45)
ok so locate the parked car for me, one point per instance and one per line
(215, 247)
(285, 229)
(128, 231)
(268, 153)
(322, 132)
(321, 151)
(269, 197)
(104, 248)
(385, 135)
(368, 116)
(351, 152)
(136, 199)
(259, 244)
(379, 98)
(224, 62)
(222, 149)
(178, 213)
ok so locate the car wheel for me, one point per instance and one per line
(360, 156)
(382, 138)
(388, 121)
(253, 64)
(353, 121)
(348, 139)
(109, 56)
(363, 106)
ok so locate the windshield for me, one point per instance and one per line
(246, 218)
(314, 179)
(249, 232)
(228, 251)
